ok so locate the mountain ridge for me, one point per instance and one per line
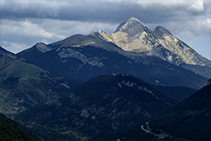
(187, 120)
(24, 85)
(87, 56)
(160, 31)
(87, 61)
(135, 41)
(133, 26)
(160, 43)
(190, 117)
(116, 95)
(102, 104)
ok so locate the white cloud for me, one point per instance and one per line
(199, 26)
(29, 21)
(167, 3)
(49, 30)
(207, 23)
(29, 28)
(63, 28)
(25, 27)
(14, 47)
(197, 6)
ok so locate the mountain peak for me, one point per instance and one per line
(132, 26)
(102, 35)
(3, 51)
(133, 19)
(42, 47)
(7, 53)
(160, 31)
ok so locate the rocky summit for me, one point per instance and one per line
(134, 36)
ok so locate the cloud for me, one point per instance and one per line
(24, 28)
(107, 11)
(23, 34)
(53, 20)
(52, 28)
(13, 46)
(95, 11)
(197, 6)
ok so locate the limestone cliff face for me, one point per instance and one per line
(134, 36)
(184, 54)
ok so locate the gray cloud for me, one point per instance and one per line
(101, 11)
(54, 20)
(151, 13)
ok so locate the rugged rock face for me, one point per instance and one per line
(42, 47)
(182, 52)
(133, 27)
(134, 36)
(160, 32)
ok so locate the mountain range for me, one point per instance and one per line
(188, 120)
(134, 84)
(134, 36)
(84, 57)
(115, 107)
(102, 104)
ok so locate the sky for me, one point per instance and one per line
(23, 23)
